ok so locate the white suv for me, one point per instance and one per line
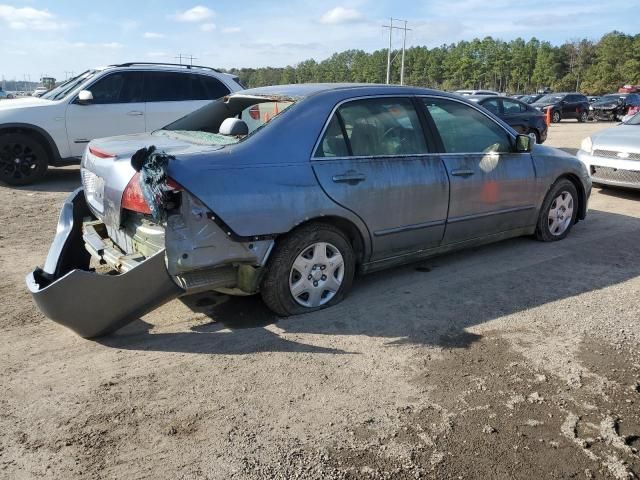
(116, 100)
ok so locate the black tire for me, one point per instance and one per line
(583, 116)
(555, 116)
(23, 160)
(543, 231)
(275, 288)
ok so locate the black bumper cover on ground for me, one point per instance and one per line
(89, 303)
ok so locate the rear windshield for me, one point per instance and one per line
(203, 125)
(550, 99)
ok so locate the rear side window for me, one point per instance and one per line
(167, 86)
(212, 87)
(463, 129)
(513, 108)
(119, 87)
(333, 142)
(375, 127)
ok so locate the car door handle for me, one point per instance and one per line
(135, 113)
(349, 177)
(462, 172)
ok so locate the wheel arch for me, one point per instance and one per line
(357, 238)
(36, 132)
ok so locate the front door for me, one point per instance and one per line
(117, 109)
(492, 188)
(374, 160)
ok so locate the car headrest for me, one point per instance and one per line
(234, 127)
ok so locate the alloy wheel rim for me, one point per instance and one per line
(560, 213)
(17, 161)
(533, 137)
(316, 275)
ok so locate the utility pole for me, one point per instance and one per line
(389, 52)
(404, 45)
(391, 27)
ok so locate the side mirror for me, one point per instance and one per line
(523, 143)
(85, 97)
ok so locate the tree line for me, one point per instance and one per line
(518, 66)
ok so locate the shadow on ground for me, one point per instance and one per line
(56, 180)
(431, 303)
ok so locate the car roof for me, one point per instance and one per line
(170, 67)
(302, 90)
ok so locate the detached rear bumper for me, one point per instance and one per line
(89, 303)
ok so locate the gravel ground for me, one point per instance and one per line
(516, 360)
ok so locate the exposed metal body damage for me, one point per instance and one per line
(102, 302)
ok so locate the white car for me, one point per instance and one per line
(466, 93)
(53, 130)
(39, 91)
(612, 156)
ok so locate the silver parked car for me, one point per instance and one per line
(291, 190)
(612, 156)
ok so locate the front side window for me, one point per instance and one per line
(492, 106)
(374, 127)
(464, 129)
(120, 87)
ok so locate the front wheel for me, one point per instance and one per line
(559, 211)
(310, 269)
(555, 117)
(583, 116)
(23, 160)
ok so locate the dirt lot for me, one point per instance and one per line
(516, 360)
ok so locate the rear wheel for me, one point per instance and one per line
(555, 117)
(534, 135)
(23, 160)
(311, 268)
(583, 116)
(558, 212)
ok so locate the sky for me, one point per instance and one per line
(54, 38)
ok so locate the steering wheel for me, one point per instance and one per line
(397, 134)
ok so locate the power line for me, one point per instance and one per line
(392, 27)
(180, 56)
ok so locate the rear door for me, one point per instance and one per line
(374, 159)
(571, 106)
(516, 115)
(172, 95)
(117, 109)
(492, 188)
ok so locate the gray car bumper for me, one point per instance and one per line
(89, 303)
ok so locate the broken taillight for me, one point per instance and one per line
(132, 198)
(96, 152)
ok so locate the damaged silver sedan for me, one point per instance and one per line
(290, 191)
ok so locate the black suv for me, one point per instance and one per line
(564, 105)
